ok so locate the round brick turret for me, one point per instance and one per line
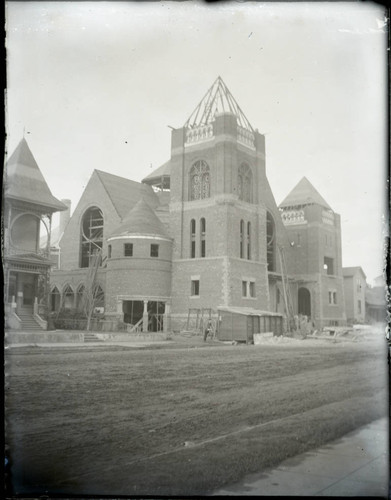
(139, 260)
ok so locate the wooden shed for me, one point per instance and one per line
(240, 323)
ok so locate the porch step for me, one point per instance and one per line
(91, 337)
(28, 321)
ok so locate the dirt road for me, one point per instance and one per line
(179, 421)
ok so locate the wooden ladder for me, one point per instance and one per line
(286, 290)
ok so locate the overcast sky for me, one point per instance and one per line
(96, 84)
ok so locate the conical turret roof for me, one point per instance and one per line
(24, 180)
(218, 99)
(304, 193)
(140, 220)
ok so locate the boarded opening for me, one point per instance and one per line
(133, 311)
(155, 316)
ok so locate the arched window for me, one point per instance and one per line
(241, 239)
(192, 238)
(248, 240)
(55, 299)
(203, 237)
(245, 180)
(99, 297)
(80, 298)
(270, 242)
(199, 180)
(91, 235)
(68, 297)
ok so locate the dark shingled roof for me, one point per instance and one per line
(304, 193)
(125, 193)
(162, 171)
(24, 181)
(141, 220)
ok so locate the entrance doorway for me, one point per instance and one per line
(28, 294)
(304, 302)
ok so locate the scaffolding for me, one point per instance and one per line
(198, 320)
(92, 236)
(288, 302)
(216, 100)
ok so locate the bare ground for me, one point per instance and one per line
(179, 420)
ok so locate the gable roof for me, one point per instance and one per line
(351, 271)
(124, 193)
(140, 220)
(218, 99)
(304, 193)
(24, 180)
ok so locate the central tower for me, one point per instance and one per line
(220, 200)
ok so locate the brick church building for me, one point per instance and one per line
(203, 231)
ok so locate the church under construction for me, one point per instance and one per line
(201, 232)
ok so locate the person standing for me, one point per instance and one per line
(207, 329)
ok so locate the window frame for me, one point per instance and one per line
(328, 264)
(128, 246)
(199, 170)
(154, 249)
(245, 183)
(332, 298)
(241, 239)
(248, 240)
(270, 242)
(202, 237)
(195, 287)
(193, 228)
(248, 288)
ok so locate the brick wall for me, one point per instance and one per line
(140, 276)
(222, 271)
(333, 312)
(354, 293)
(349, 292)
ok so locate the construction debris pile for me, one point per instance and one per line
(355, 333)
